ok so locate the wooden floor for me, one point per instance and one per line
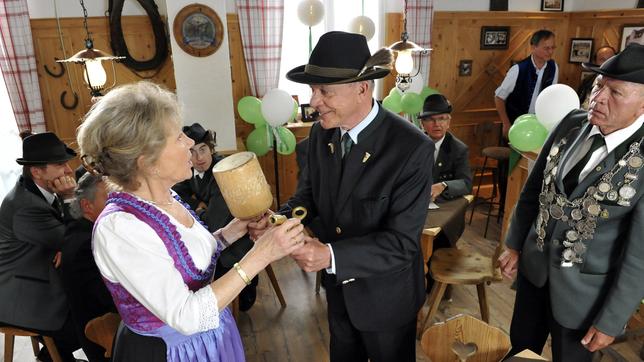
(300, 331)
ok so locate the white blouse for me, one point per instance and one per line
(129, 252)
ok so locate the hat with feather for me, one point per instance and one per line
(341, 57)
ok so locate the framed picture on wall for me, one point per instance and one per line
(495, 37)
(632, 34)
(552, 5)
(584, 75)
(308, 112)
(581, 50)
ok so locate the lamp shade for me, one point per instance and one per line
(404, 62)
(95, 75)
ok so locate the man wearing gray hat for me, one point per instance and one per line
(576, 233)
(367, 181)
(33, 216)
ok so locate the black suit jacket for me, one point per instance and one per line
(452, 166)
(31, 232)
(88, 296)
(372, 211)
(217, 215)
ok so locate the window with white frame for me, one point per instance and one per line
(10, 141)
(338, 15)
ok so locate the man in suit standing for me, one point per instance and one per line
(203, 195)
(451, 172)
(576, 233)
(367, 182)
(33, 216)
(88, 296)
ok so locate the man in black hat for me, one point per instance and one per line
(576, 233)
(451, 172)
(203, 195)
(367, 181)
(33, 216)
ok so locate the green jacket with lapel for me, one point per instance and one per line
(606, 289)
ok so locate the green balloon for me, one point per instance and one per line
(258, 141)
(250, 110)
(286, 146)
(295, 108)
(527, 135)
(427, 91)
(525, 117)
(411, 103)
(394, 92)
(392, 103)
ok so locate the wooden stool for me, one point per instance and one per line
(102, 330)
(9, 338)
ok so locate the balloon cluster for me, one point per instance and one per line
(529, 131)
(409, 101)
(268, 115)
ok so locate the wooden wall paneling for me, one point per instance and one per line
(140, 42)
(239, 73)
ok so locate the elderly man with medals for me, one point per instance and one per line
(576, 233)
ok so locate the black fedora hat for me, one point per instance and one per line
(197, 133)
(628, 65)
(44, 148)
(435, 104)
(341, 57)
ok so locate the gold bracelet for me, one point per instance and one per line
(242, 273)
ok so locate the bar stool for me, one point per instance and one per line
(501, 155)
(9, 338)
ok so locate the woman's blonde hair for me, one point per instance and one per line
(129, 122)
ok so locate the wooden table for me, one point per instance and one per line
(438, 219)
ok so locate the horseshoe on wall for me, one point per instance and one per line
(55, 75)
(74, 103)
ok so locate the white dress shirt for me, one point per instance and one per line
(353, 133)
(510, 82)
(437, 147)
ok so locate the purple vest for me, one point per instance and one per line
(135, 315)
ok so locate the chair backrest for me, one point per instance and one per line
(491, 342)
(101, 330)
(487, 134)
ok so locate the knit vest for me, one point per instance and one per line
(518, 102)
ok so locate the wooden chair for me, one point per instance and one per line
(9, 338)
(102, 330)
(462, 267)
(464, 337)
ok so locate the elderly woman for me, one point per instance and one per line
(155, 257)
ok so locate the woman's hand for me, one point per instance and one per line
(235, 229)
(281, 240)
(258, 227)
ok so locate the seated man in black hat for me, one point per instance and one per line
(203, 195)
(367, 182)
(33, 216)
(576, 232)
(452, 174)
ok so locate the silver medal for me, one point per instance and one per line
(579, 248)
(554, 150)
(599, 196)
(635, 161)
(612, 195)
(630, 176)
(553, 171)
(556, 212)
(604, 187)
(568, 254)
(627, 192)
(548, 179)
(541, 233)
(622, 202)
(576, 214)
(622, 163)
(572, 235)
(594, 209)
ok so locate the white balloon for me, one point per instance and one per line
(363, 25)
(553, 103)
(415, 86)
(310, 12)
(277, 107)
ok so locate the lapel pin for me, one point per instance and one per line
(366, 157)
(331, 148)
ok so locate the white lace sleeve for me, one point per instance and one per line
(209, 318)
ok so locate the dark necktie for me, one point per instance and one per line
(347, 142)
(571, 179)
(57, 206)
